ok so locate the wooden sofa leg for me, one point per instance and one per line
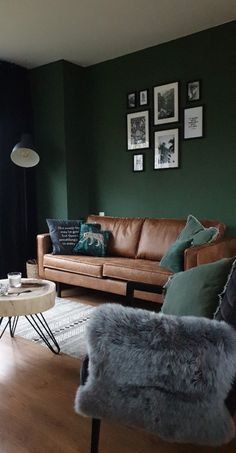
(95, 435)
(58, 289)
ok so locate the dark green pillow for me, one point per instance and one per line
(197, 232)
(192, 227)
(194, 233)
(204, 236)
(195, 292)
(64, 235)
(174, 257)
(92, 241)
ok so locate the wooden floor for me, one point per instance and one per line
(37, 390)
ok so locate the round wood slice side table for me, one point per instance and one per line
(30, 300)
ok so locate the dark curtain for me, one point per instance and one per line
(17, 185)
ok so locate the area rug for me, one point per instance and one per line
(67, 320)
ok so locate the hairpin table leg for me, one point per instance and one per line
(7, 324)
(12, 325)
(40, 325)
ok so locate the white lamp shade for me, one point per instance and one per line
(23, 155)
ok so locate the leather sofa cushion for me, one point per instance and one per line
(125, 234)
(118, 268)
(136, 270)
(157, 235)
(86, 265)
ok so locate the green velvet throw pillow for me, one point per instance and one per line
(193, 234)
(197, 232)
(192, 227)
(195, 292)
(174, 257)
(92, 241)
(205, 235)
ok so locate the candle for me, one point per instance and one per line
(14, 279)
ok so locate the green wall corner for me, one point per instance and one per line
(57, 93)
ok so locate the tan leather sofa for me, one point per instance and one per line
(135, 249)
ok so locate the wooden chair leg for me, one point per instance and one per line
(95, 435)
(95, 428)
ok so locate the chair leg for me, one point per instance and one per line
(95, 435)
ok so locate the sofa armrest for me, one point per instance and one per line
(216, 251)
(44, 245)
(207, 253)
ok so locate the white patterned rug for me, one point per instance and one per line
(67, 320)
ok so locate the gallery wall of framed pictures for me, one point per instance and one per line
(154, 117)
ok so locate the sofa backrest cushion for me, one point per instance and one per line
(157, 235)
(124, 234)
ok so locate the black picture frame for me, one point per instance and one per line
(138, 130)
(131, 100)
(166, 149)
(193, 90)
(193, 122)
(138, 162)
(143, 97)
(166, 103)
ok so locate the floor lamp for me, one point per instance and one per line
(25, 156)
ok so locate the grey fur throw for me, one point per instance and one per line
(166, 374)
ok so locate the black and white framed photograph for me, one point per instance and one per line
(132, 100)
(138, 130)
(143, 97)
(193, 122)
(138, 162)
(193, 90)
(166, 149)
(166, 103)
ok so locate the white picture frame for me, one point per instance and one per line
(166, 103)
(138, 162)
(143, 97)
(138, 130)
(193, 122)
(166, 149)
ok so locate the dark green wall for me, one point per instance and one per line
(205, 183)
(77, 152)
(80, 126)
(47, 87)
(58, 92)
